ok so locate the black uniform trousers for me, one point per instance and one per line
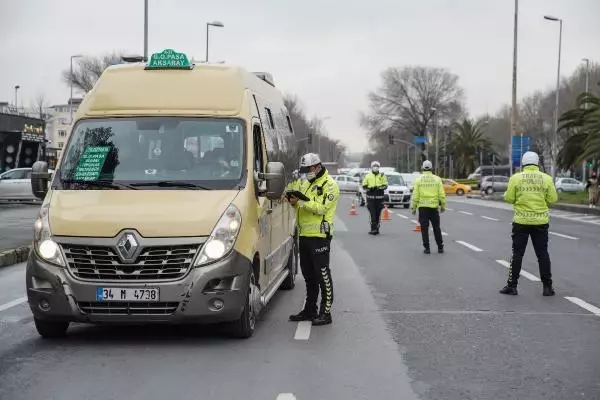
(539, 239)
(375, 206)
(427, 215)
(314, 262)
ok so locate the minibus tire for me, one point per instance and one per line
(50, 329)
(244, 327)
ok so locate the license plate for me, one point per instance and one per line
(127, 294)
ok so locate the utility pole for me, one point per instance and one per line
(514, 117)
(145, 30)
(587, 89)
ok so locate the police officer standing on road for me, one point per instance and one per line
(428, 195)
(315, 229)
(531, 192)
(375, 184)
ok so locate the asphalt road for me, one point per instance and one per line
(406, 326)
(16, 224)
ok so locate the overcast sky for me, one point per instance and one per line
(328, 52)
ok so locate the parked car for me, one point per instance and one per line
(397, 194)
(569, 185)
(453, 187)
(494, 184)
(347, 183)
(15, 184)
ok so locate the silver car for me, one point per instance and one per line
(15, 184)
(569, 185)
(494, 184)
(346, 183)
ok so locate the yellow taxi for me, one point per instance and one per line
(453, 187)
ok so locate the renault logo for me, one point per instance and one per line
(127, 246)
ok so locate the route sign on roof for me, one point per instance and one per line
(169, 59)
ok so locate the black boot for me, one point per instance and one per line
(302, 316)
(510, 290)
(548, 291)
(426, 250)
(440, 249)
(322, 319)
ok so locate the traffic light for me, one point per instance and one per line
(309, 138)
(391, 139)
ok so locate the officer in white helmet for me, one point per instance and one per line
(375, 184)
(315, 230)
(429, 198)
(531, 192)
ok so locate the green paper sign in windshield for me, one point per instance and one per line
(91, 162)
(169, 59)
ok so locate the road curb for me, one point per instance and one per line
(559, 206)
(14, 256)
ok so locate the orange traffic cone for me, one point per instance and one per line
(353, 209)
(417, 227)
(386, 214)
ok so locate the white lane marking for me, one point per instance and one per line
(303, 330)
(576, 300)
(450, 209)
(11, 304)
(414, 221)
(523, 273)
(402, 216)
(339, 225)
(466, 212)
(444, 233)
(286, 396)
(469, 245)
(490, 218)
(563, 236)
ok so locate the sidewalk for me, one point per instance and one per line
(576, 208)
(16, 230)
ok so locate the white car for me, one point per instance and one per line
(569, 185)
(346, 183)
(398, 193)
(15, 184)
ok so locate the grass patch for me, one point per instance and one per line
(573, 197)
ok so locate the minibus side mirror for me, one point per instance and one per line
(39, 179)
(275, 179)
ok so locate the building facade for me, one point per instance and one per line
(59, 126)
(22, 141)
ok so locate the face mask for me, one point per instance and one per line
(311, 176)
(303, 177)
(375, 169)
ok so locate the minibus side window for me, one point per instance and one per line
(259, 162)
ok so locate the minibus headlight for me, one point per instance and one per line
(222, 239)
(46, 248)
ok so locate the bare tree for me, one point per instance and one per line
(87, 70)
(39, 106)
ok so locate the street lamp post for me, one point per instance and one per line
(71, 85)
(555, 138)
(17, 87)
(145, 30)
(514, 115)
(587, 89)
(208, 25)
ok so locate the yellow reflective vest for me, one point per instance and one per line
(531, 192)
(428, 192)
(315, 217)
(295, 184)
(372, 182)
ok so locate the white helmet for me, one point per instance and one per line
(530, 158)
(375, 164)
(309, 160)
(427, 165)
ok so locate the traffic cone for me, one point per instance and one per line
(353, 209)
(386, 214)
(417, 227)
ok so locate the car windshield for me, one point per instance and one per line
(154, 153)
(395, 180)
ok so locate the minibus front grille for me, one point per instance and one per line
(127, 308)
(100, 263)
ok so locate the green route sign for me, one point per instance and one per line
(169, 59)
(91, 162)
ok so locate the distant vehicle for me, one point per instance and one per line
(453, 187)
(332, 167)
(410, 178)
(15, 184)
(347, 183)
(494, 183)
(397, 194)
(569, 185)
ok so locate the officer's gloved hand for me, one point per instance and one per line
(442, 209)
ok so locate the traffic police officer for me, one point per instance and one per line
(296, 182)
(531, 192)
(375, 184)
(315, 227)
(428, 195)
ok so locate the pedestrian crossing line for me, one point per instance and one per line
(489, 218)
(523, 273)
(563, 236)
(585, 305)
(303, 330)
(11, 304)
(465, 212)
(469, 245)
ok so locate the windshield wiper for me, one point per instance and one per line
(180, 184)
(108, 184)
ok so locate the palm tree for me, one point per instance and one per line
(466, 143)
(583, 122)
